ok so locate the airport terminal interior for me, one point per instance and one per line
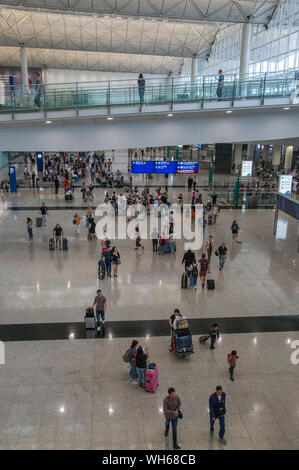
(163, 118)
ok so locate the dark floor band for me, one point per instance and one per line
(139, 329)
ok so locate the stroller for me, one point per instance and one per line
(182, 339)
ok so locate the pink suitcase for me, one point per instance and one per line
(151, 380)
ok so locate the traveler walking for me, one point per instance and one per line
(172, 324)
(115, 260)
(138, 239)
(155, 238)
(193, 275)
(171, 408)
(101, 306)
(56, 183)
(77, 223)
(217, 410)
(57, 233)
(214, 335)
(190, 182)
(141, 87)
(141, 364)
(44, 212)
(232, 361)
(33, 178)
(222, 253)
(214, 199)
(235, 231)
(209, 249)
(204, 266)
(220, 79)
(29, 228)
(188, 258)
(108, 260)
(38, 90)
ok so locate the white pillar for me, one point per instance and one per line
(238, 155)
(45, 75)
(276, 155)
(194, 67)
(245, 48)
(288, 158)
(24, 69)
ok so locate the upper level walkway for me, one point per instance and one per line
(122, 97)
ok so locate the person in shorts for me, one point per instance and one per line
(44, 212)
(57, 234)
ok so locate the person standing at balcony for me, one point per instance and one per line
(38, 90)
(141, 87)
(220, 85)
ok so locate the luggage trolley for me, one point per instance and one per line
(183, 339)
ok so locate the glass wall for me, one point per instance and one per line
(273, 49)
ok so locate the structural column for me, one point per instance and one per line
(276, 156)
(194, 69)
(238, 155)
(24, 68)
(288, 158)
(45, 75)
(245, 48)
(244, 56)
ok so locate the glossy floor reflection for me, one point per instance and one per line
(76, 395)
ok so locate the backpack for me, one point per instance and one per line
(194, 271)
(127, 356)
(204, 264)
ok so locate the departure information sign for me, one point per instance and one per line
(141, 166)
(165, 167)
(187, 167)
(285, 184)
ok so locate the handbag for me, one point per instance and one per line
(180, 415)
(216, 253)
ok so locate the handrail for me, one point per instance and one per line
(78, 95)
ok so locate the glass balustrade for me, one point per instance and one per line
(125, 93)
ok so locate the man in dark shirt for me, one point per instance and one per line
(57, 233)
(217, 410)
(188, 258)
(44, 212)
(222, 253)
(190, 182)
(37, 89)
(101, 305)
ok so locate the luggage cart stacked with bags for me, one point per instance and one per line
(182, 338)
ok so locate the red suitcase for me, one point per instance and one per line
(151, 380)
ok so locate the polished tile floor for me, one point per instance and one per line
(75, 394)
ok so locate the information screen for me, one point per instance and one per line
(285, 184)
(165, 167)
(141, 166)
(187, 167)
(246, 168)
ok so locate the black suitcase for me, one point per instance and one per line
(182, 332)
(39, 222)
(64, 244)
(89, 312)
(184, 281)
(51, 244)
(210, 284)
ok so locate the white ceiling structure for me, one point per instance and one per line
(119, 35)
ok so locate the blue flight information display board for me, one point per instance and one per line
(187, 167)
(165, 167)
(141, 166)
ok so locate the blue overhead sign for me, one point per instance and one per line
(141, 166)
(187, 167)
(165, 167)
